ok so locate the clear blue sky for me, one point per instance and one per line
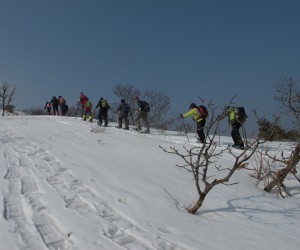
(186, 48)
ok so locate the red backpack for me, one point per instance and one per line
(203, 111)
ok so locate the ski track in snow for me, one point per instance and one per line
(29, 214)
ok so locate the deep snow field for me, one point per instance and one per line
(69, 184)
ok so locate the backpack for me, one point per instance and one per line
(145, 106)
(104, 104)
(203, 111)
(83, 98)
(88, 104)
(126, 108)
(240, 114)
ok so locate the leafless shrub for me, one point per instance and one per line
(7, 93)
(201, 160)
(159, 103)
(288, 166)
(288, 94)
(36, 111)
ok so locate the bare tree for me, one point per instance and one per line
(201, 160)
(7, 93)
(126, 92)
(288, 166)
(159, 104)
(288, 94)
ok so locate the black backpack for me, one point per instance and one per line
(126, 108)
(145, 106)
(240, 114)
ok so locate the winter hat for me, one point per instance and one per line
(192, 105)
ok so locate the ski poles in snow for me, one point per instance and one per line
(185, 130)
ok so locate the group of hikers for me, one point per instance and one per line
(56, 106)
(123, 111)
(236, 115)
(87, 105)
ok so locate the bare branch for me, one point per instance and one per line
(199, 160)
(7, 93)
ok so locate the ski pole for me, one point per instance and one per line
(219, 135)
(185, 130)
(176, 202)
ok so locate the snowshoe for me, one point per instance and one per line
(241, 147)
(198, 141)
(144, 132)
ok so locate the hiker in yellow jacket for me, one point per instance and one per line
(199, 118)
(236, 118)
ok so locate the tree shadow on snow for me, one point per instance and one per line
(260, 209)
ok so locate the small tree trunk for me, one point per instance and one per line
(279, 179)
(282, 174)
(3, 105)
(197, 205)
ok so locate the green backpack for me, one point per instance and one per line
(105, 104)
(88, 104)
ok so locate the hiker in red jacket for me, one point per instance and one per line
(82, 100)
(87, 111)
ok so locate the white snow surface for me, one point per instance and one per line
(70, 184)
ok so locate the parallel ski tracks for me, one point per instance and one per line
(25, 207)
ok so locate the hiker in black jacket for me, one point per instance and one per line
(123, 110)
(103, 110)
(54, 103)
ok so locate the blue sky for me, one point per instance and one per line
(186, 48)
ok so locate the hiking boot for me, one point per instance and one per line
(238, 146)
(199, 141)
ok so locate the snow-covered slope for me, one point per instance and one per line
(68, 184)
